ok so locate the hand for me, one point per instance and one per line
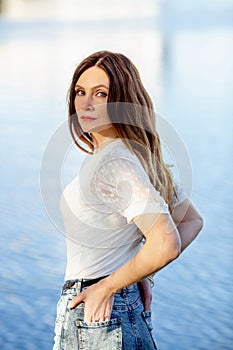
(98, 302)
(146, 293)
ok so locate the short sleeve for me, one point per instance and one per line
(123, 185)
(181, 195)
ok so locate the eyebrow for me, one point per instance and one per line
(94, 87)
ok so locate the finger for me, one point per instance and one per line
(107, 314)
(103, 316)
(89, 318)
(75, 301)
(88, 315)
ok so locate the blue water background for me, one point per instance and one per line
(187, 66)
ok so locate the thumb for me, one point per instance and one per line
(76, 300)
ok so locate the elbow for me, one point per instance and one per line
(166, 252)
(199, 224)
(173, 249)
(175, 252)
(177, 246)
(199, 221)
(171, 255)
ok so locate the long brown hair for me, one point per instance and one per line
(132, 114)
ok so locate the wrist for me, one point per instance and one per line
(151, 279)
(108, 286)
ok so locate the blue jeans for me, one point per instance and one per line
(129, 328)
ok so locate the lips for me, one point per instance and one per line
(87, 118)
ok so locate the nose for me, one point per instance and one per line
(87, 104)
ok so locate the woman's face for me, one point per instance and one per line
(92, 89)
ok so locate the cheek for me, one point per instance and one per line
(107, 118)
(106, 113)
(103, 110)
(77, 104)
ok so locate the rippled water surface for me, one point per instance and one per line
(189, 74)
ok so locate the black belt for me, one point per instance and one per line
(84, 283)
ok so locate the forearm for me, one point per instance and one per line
(161, 247)
(188, 230)
(148, 261)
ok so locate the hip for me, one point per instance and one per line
(129, 328)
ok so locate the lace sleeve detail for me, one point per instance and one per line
(124, 186)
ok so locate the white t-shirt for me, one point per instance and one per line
(98, 207)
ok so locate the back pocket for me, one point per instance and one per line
(105, 335)
(147, 318)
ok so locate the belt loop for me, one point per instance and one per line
(123, 292)
(78, 286)
(81, 285)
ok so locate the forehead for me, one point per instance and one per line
(92, 77)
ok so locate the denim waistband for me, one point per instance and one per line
(84, 283)
(78, 287)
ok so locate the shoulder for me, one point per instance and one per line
(119, 155)
(119, 163)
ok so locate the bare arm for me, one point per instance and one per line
(188, 222)
(161, 247)
(145, 288)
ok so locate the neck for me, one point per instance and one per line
(99, 138)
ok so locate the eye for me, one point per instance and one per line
(79, 92)
(101, 94)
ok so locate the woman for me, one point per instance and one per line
(123, 215)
